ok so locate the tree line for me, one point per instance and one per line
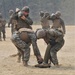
(65, 6)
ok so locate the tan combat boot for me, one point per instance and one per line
(25, 63)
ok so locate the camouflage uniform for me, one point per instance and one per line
(11, 21)
(58, 23)
(45, 19)
(55, 42)
(24, 46)
(54, 39)
(2, 28)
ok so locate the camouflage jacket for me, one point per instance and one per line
(58, 23)
(49, 34)
(45, 22)
(22, 23)
(53, 34)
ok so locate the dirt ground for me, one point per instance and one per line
(66, 57)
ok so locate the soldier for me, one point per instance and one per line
(45, 19)
(2, 27)
(11, 22)
(55, 42)
(58, 23)
(24, 36)
(50, 38)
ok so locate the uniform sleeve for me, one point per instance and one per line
(10, 21)
(29, 21)
(58, 35)
(43, 19)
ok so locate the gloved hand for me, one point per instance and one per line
(39, 59)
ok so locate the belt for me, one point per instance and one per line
(25, 29)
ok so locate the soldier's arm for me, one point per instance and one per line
(58, 35)
(10, 20)
(26, 19)
(29, 21)
(63, 26)
(43, 19)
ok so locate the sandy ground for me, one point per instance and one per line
(66, 56)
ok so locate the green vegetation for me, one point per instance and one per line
(65, 6)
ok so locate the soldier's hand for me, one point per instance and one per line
(23, 17)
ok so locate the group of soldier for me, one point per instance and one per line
(23, 36)
(53, 36)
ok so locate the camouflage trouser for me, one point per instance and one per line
(33, 38)
(21, 45)
(3, 32)
(25, 47)
(51, 52)
(12, 28)
(47, 53)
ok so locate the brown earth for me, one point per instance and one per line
(66, 56)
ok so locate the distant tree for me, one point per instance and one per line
(65, 6)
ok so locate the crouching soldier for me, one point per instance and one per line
(55, 42)
(24, 36)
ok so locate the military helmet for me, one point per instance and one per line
(11, 12)
(41, 13)
(40, 33)
(26, 9)
(17, 9)
(52, 14)
(58, 13)
(47, 14)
